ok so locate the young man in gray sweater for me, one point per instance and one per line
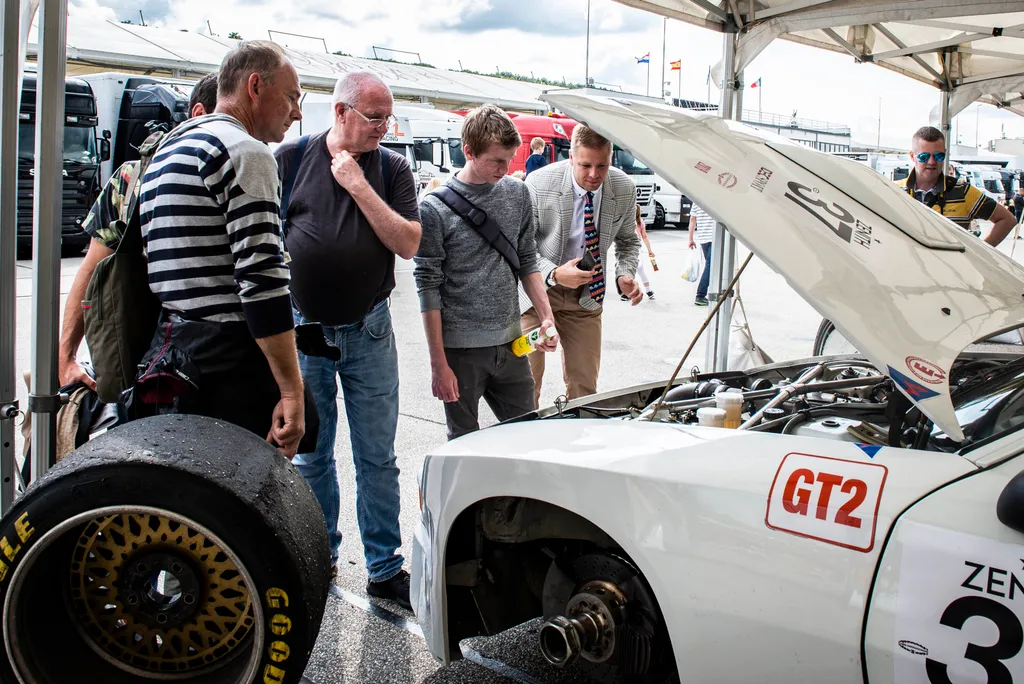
(468, 290)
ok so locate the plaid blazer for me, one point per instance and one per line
(552, 194)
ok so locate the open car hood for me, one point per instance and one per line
(905, 285)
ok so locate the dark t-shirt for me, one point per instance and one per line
(340, 269)
(535, 161)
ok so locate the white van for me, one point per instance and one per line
(986, 179)
(437, 139)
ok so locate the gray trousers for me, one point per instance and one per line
(494, 373)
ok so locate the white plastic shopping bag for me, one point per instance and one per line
(694, 263)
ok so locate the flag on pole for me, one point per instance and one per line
(756, 84)
(708, 81)
(676, 65)
(646, 59)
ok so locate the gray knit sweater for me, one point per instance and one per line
(463, 276)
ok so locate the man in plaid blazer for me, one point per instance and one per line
(582, 206)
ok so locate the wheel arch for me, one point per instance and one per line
(519, 520)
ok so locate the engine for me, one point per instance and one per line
(841, 398)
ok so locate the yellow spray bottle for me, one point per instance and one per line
(528, 343)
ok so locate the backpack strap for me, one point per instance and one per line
(293, 171)
(481, 223)
(385, 169)
(131, 239)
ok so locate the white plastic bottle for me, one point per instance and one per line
(709, 416)
(732, 404)
(527, 344)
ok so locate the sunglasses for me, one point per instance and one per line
(923, 157)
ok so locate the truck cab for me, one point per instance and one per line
(81, 167)
(128, 105)
(556, 132)
(437, 141)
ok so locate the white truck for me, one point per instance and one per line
(128, 104)
(437, 140)
(671, 207)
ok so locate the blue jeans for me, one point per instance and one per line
(368, 370)
(705, 277)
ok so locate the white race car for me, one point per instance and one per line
(864, 524)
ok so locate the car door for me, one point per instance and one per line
(947, 605)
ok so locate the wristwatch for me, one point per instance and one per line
(550, 280)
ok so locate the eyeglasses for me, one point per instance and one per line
(375, 123)
(923, 157)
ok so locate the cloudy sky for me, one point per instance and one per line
(549, 39)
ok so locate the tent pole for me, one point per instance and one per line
(946, 94)
(43, 400)
(723, 246)
(10, 87)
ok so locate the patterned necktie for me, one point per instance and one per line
(592, 243)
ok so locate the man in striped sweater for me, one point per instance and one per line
(225, 346)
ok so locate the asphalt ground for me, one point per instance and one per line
(374, 641)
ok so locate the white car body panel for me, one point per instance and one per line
(689, 506)
(927, 566)
(909, 296)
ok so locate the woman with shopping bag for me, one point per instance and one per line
(702, 232)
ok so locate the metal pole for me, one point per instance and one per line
(586, 69)
(648, 77)
(10, 87)
(43, 400)
(947, 95)
(723, 247)
(664, 58)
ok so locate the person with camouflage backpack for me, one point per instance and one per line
(103, 224)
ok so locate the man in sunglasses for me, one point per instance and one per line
(349, 207)
(955, 199)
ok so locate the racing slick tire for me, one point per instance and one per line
(171, 548)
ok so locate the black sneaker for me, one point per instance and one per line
(650, 294)
(700, 301)
(624, 298)
(395, 588)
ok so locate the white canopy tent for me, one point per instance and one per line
(970, 51)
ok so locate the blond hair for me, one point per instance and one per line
(489, 125)
(585, 136)
(537, 145)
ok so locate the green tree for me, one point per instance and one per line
(235, 35)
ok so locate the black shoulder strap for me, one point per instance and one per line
(385, 170)
(481, 222)
(293, 170)
(131, 239)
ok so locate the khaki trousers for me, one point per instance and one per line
(580, 333)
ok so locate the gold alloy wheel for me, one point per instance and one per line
(156, 596)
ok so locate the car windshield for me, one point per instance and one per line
(994, 185)
(456, 153)
(79, 144)
(989, 401)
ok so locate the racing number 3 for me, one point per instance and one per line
(804, 198)
(1011, 638)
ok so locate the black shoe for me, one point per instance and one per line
(334, 570)
(395, 588)
(624, 298)
(650, 294)
(700, 301)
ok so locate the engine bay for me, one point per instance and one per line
(838, 397)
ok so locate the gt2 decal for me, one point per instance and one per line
(835, 217)
(926, 371)
(961, 604)
(827, 499)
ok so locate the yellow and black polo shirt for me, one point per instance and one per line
(959, 201)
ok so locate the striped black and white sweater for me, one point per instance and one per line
(211, 227)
